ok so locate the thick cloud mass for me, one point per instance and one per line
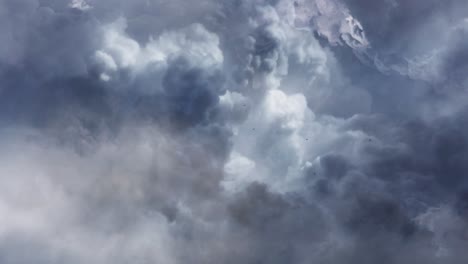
(248, 131)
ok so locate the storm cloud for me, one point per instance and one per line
(248, 131)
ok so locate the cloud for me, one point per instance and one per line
(232, 132)
(80, 4)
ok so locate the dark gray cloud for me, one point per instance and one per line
(233, 132)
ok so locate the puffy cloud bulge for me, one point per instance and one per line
(264, 131)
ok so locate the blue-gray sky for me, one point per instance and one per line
(247, 131)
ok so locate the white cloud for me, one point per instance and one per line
(193, 43)
(80, 4)
(287, 111)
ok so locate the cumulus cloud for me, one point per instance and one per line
(261, 131)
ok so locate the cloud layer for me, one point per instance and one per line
(266, 131)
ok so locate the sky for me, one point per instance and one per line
(233, 131)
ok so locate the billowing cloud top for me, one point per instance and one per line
(248, 131)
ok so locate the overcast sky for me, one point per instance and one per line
(233, 131)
